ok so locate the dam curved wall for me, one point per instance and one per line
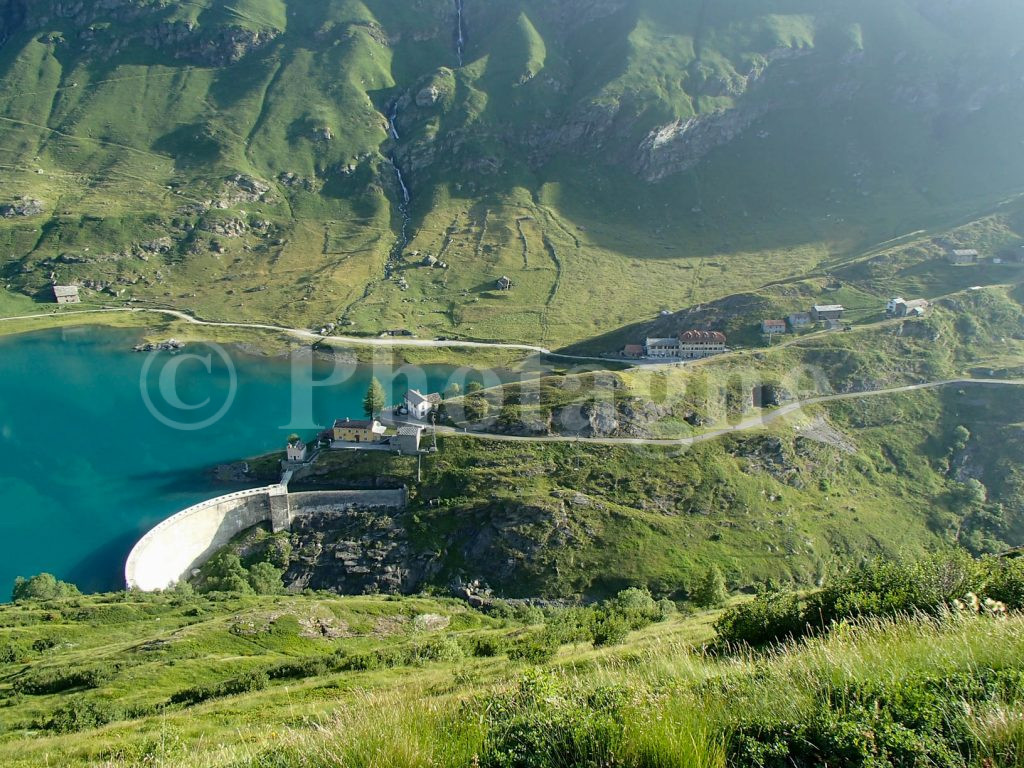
(170, 551)
(181, 543)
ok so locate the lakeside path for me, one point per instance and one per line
(305, 335)
(746, 425)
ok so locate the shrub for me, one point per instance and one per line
(765, 619)
(445, 649)
(80, 714)
(543, 723)
(10, 653)
(885, 588)
(265, 579)
(253, 680)
(41, 682)
(43, 586)
(225, 573)
(666, 609)
(313, 666)
(46, 642)
(487, 646)
(636, 606)
(611, 629)
(535, 648)
(711, 590)
(1005, 582)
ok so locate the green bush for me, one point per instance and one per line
(487, 646)
(880, 588)
(225, 573)
(253, 680)
(265, 579)
(535, 648)
(711, 590)
(904, 722)
(765, 619)
(80, 714)
(43, 586)
(439, 649)
(41, 682)
(10, 653)
(544, 723)
(636, 607)
(1005, 582)
(313, 666)
(611, 629)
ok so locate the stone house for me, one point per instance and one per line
(900, 307)
(823, 312)
(963, 256)
(407, 441)
(66, 294)
(363, 431)
(297, 452)
(771, 327)
(633, 350)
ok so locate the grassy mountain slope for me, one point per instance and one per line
(416, 682)
(891, 475)
(752, 142)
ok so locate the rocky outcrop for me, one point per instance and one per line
(681, 145)
(25, 206)
(356, 551)
(142, 22)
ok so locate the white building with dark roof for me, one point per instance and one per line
(420, 405)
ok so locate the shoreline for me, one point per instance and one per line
(275, 341)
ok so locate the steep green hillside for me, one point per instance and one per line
(889, 475)
(233, 159)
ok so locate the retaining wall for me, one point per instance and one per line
(182, 543)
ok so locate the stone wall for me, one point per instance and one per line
(182, 543)
(303, 504)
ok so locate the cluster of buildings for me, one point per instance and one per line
(900, 307)
(829, 314)
(688, 345)
(371, 434)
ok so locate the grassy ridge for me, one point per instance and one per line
(946, 689)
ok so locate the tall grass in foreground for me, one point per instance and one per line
(909, 691)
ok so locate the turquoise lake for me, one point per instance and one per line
(87, 466)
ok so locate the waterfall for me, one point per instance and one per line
(461, 37)
(392, 117)
(403, 207)
(406, 197)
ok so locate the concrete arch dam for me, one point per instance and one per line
(170, 551)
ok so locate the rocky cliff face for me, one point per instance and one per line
(139, 21)
(12, 16)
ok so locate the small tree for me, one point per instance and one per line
(453, 390)
(711, 590)
(225, 573)
(374, 401)
(43, 586)
(265, 579)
